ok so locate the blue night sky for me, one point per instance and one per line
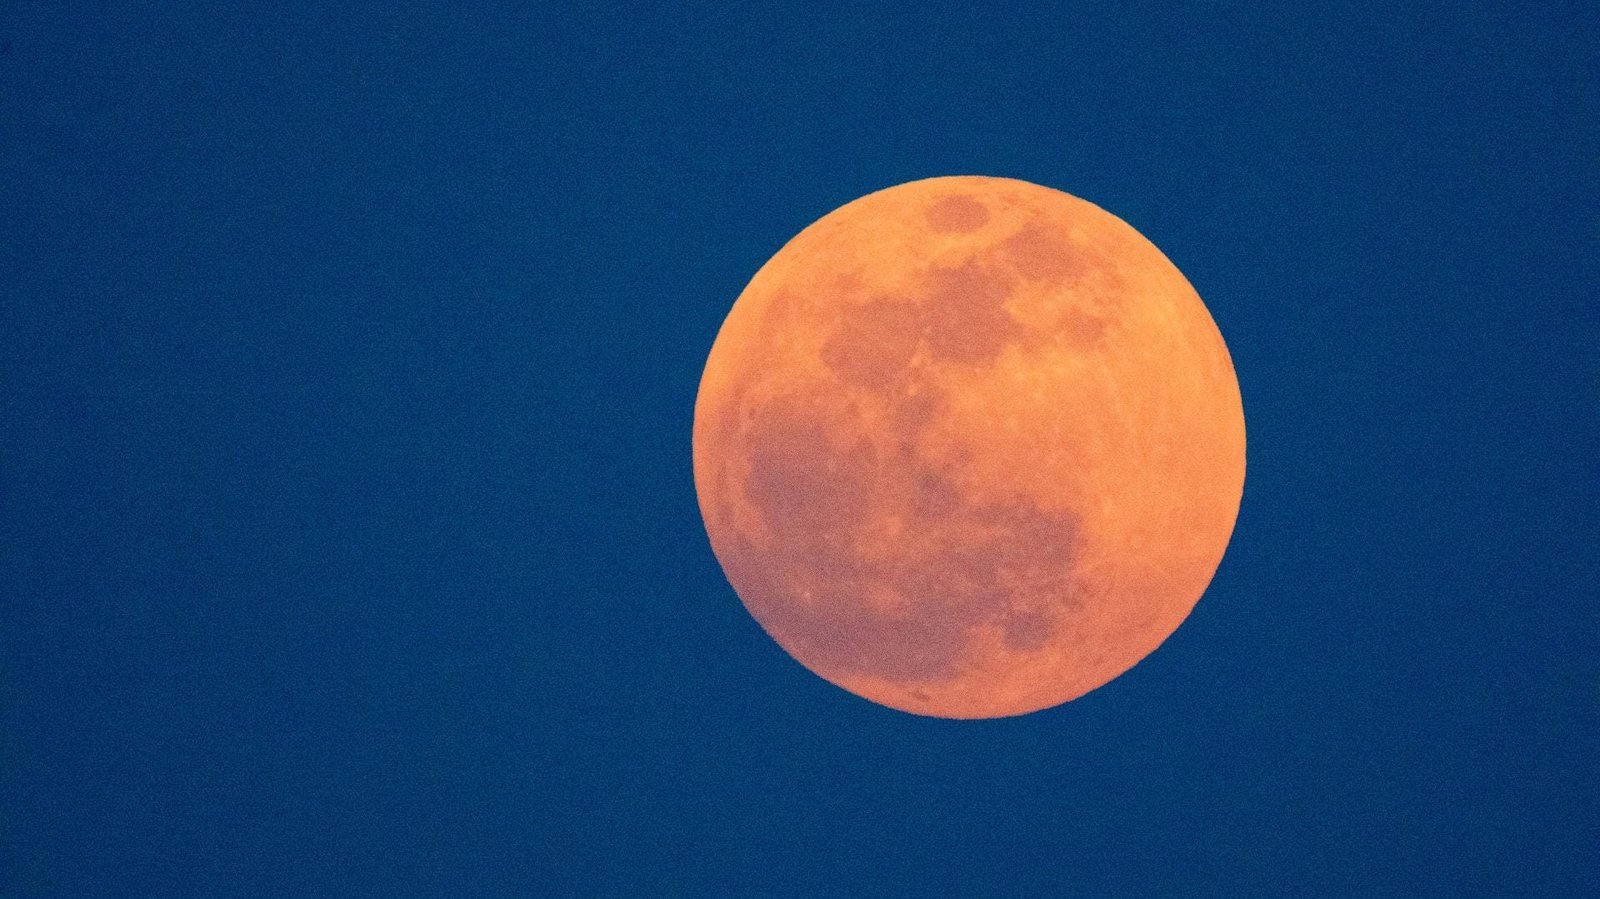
(348, 539)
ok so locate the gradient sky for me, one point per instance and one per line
(348, 541)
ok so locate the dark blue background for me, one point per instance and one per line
(349, 547)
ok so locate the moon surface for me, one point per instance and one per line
(969, 447)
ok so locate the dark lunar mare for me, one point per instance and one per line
(962, 565)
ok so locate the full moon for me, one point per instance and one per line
(969, 447)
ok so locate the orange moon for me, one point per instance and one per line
(969, 447)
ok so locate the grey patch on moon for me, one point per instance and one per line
(1042, 254)
(971, 565)
(872, 343)
(965, 316)
(1027, 631)
(956, 214)
(962, 320)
